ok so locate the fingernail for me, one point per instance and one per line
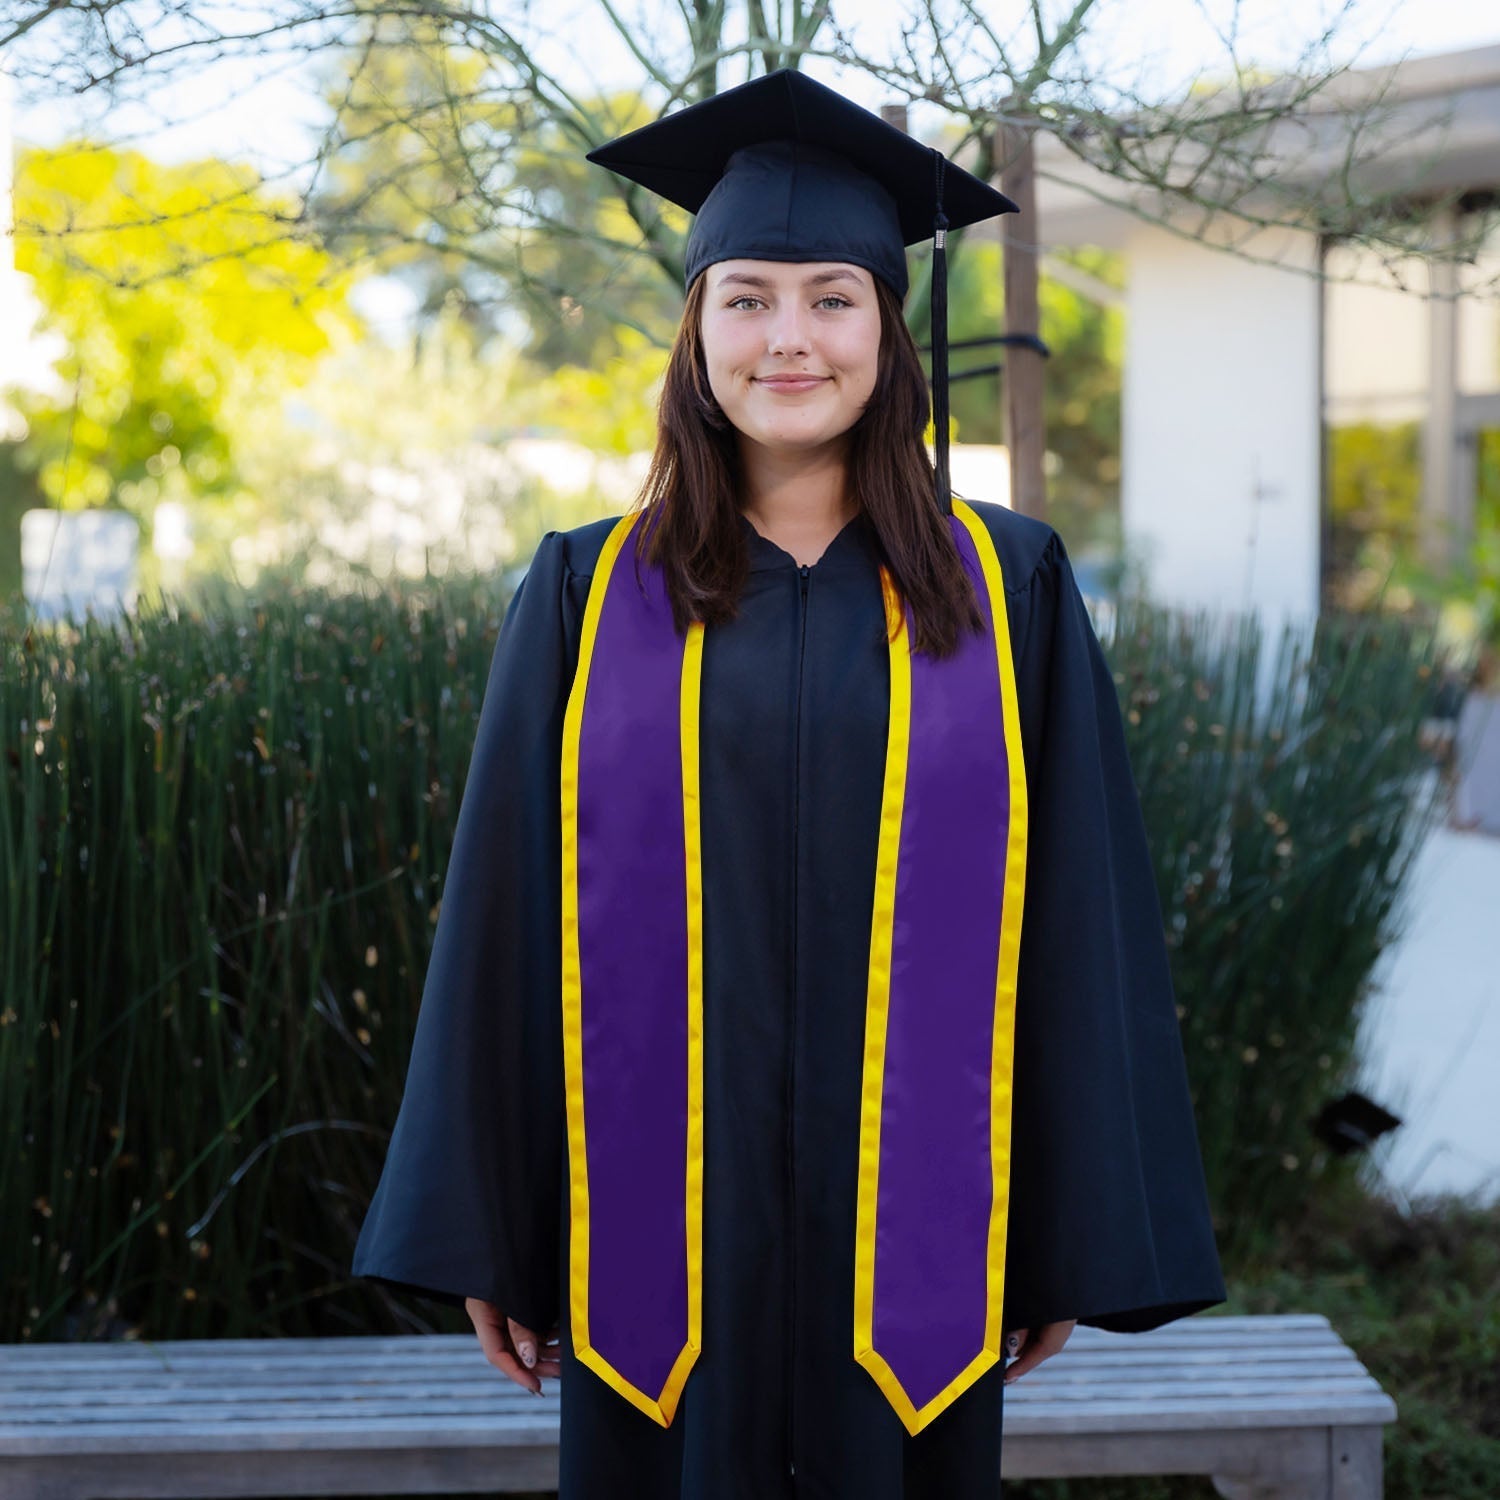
(528, 1354)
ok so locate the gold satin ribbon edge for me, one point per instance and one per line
(877, 999)
(692, 676)
(1013, 908)
(660, 1409)
(878, 994)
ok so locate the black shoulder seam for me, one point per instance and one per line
(589, 539)
(558, 540)
(570, 572)
(1048, 554)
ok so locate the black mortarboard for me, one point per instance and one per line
(784, 168)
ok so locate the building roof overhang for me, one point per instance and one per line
(1421, 129)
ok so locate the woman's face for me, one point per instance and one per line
(791, 349)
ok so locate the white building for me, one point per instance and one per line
(1235, 361)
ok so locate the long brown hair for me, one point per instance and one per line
(694, 489)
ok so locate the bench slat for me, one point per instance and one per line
(27, 1361)
(1234, 1331)
(1308, 1377)
(372, 1406)
(498, 1431)
(1112, 1364)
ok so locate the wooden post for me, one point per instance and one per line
(1439, 524)
(1021, 383)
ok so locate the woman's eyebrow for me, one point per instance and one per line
(820, 278)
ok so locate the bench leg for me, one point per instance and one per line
(1354, 1472)
(1355, 1469)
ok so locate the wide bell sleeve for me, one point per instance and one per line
(469, 1201)
(1109, 1218)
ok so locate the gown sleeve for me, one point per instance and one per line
(470, 1198)
(1109, 1217)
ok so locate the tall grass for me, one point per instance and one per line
(221, 841)
(223, 829)
(1286, 792)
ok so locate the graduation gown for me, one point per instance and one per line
(1109, 1219)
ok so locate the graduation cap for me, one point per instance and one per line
(784, 168)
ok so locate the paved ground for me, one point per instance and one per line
(1431, 1032)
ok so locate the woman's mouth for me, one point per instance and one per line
(790, 383)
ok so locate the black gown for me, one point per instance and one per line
(1109, 1220)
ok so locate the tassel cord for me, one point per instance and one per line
(939, 311)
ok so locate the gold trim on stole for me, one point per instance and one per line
(662, 1410)
(879, 990)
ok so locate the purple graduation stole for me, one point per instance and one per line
(934, 1143)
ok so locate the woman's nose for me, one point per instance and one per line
(788, 334)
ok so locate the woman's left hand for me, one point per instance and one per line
(1032, 1346)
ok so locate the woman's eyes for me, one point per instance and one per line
(832, 297)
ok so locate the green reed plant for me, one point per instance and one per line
(222, 835)
(1286, 791)
(223, 830)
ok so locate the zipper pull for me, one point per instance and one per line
(806, 570)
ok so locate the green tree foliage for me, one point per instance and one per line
(1375, 548)
(581, 295)
(1374, 486)
(183, 305)
(608, 405)
(451, 180)
(188, 296)
(1082, 393)
(444, 174)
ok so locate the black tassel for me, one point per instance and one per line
(939, 308)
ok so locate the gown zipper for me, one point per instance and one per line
(791, 1104)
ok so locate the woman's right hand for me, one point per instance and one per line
(506, 1344)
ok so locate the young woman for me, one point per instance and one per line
(798, 1026)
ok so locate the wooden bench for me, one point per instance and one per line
(1268, 1406)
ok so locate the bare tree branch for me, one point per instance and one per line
(1247, 153)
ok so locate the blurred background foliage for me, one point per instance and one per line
(1081, 399)
(1286, 792)
(1375, 556)
(198, 336)
(217, 340)
(177, 306)
(1374, 486)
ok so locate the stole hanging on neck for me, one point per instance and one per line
(934, 1142)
